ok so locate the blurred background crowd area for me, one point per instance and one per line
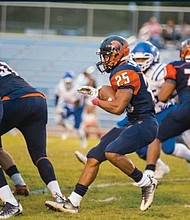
(42, 40)
(82, 19)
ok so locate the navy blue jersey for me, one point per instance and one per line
(128, 76)
(25, 108)
(180, 72)
(178, 120)
(11, 84)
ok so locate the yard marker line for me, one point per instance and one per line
(131, 183)
(103, 185)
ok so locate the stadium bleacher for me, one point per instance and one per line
(42, 60)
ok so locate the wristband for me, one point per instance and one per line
(95, 101)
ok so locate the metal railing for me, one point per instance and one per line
(82, 19)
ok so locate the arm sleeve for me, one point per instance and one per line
(170, 72)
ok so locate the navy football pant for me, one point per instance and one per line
(29, 115)
(176, 122)
(127, 139)
(168, 145)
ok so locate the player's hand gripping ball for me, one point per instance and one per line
(106, 93)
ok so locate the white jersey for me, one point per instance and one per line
(155, 77)
(68, 97)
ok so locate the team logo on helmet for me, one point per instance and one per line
(112, 52)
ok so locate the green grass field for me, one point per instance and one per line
(111, 197)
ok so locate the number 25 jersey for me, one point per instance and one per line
(127, 75)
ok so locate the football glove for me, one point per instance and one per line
(168, 104)
(88, 90)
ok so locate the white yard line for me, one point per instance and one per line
(103, 185)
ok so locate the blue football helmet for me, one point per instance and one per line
(68, 79)
(147, 53)
(69, 75)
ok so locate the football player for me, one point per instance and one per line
(70, 103)
(146, 55)
(133, 96)
(25, 108)
(5, 192)
(178, 120)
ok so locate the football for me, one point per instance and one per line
(106, 93)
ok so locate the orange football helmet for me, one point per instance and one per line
(113, 50)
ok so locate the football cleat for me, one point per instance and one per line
(81, 157)
(148, 194)
(64, 206)
(21, 190)
(10, 210)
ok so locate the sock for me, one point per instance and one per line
(54, 188)
(80, 189)
(7, 196)
(136, 175)
(17, 179)
(75, 199)
(15, 176)
(149, 173)
(46, 171)
(182, 151)
(150, 169)
(145, 181)
(47, 174)
(11, 170)
(77, 195)
(5, 191)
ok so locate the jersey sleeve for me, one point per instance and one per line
(170, 72)
(125, 79)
